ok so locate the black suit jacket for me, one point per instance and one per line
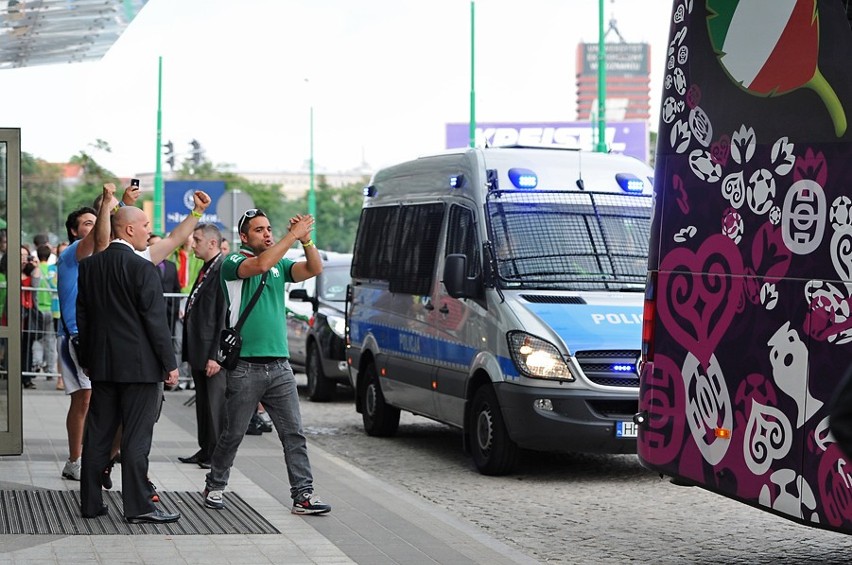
(121, 315)
(205, 317)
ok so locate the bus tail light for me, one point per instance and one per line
(649, 314)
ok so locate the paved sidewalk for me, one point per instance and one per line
(371, 521)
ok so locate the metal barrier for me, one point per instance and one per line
(39, 343)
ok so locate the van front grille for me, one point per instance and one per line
(610, 368)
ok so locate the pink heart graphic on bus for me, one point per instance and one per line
(698, 295)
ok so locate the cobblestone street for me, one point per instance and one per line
(570, 508)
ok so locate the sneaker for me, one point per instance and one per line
(30, 384)
(71, 470)
(308, 503)
(106, 478)
(214, 499)
(255, 427)
(154, 496)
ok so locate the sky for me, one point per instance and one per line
(382, 77)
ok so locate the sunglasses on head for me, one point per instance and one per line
(248, 215)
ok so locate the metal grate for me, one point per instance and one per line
(569, 240)
(45, 512)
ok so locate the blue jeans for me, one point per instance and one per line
(273, 384)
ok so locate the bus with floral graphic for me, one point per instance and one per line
(747, 328)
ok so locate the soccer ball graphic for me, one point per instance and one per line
(761, 191)
(840, 212)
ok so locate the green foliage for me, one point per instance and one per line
(338, 212)
(338, 209)
(45, 202)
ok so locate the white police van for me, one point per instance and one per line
(500, 291)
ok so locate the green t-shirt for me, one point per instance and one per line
(264, 332)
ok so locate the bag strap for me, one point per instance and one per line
(252, 302)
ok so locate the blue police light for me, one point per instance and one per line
(630, 182)
(523, 178)
(623, 368)
(370, 191)
(456, 181)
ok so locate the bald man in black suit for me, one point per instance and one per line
(126, 349)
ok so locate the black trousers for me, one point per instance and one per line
(134, 406)
(209, 409)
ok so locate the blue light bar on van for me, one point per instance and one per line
(623, 368)
(629, 182)
(370, 191)
(523, 178)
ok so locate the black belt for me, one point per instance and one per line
(262, 360)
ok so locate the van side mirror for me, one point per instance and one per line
(300, 294)
(455, 278)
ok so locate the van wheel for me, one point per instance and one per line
(494, 452)
(380, 419)
(320, 389)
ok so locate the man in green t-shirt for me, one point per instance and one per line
(263, 372)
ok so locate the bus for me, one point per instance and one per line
(747, 328)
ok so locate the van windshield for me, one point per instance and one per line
(333, 283)
(569, 240)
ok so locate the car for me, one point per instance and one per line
(315, 326)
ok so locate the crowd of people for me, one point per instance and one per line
(94, 313)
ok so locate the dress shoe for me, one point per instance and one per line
(155, 517)
(192, 459)
(205, 464)
(102, 512)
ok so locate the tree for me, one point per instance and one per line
(338, 213)
(41, 192)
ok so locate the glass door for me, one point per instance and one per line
(11, 414)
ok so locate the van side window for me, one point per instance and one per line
(399, 244)
(461, 238)
(373, 254)
(420, 228)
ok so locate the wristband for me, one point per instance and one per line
(196, 214)
(121, 204)
(309, 243)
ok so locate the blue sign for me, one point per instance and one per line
(179, 200)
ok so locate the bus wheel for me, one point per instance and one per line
(380, 419)
(320, 389)
(494, 452)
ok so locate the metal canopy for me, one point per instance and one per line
(49, 32)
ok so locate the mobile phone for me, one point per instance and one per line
(134, 182)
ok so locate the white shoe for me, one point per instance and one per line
(71, 470)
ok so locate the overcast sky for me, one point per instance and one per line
(383, 77)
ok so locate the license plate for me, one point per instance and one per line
(626, 429)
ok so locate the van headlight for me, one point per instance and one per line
(337, 325)
(537, 358)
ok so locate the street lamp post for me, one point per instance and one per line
(601, 145)
(312, 197)
(472, 77)
(158, 172)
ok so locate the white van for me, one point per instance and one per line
(500, 291)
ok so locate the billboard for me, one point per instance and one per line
(622, 59)
(179, 202)
(626, 137)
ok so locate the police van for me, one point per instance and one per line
(499, 291)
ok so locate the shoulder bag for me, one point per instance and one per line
(230, 341)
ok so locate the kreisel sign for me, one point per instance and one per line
(626, 137)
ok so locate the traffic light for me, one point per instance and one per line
(170, 154)
(197, 152)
